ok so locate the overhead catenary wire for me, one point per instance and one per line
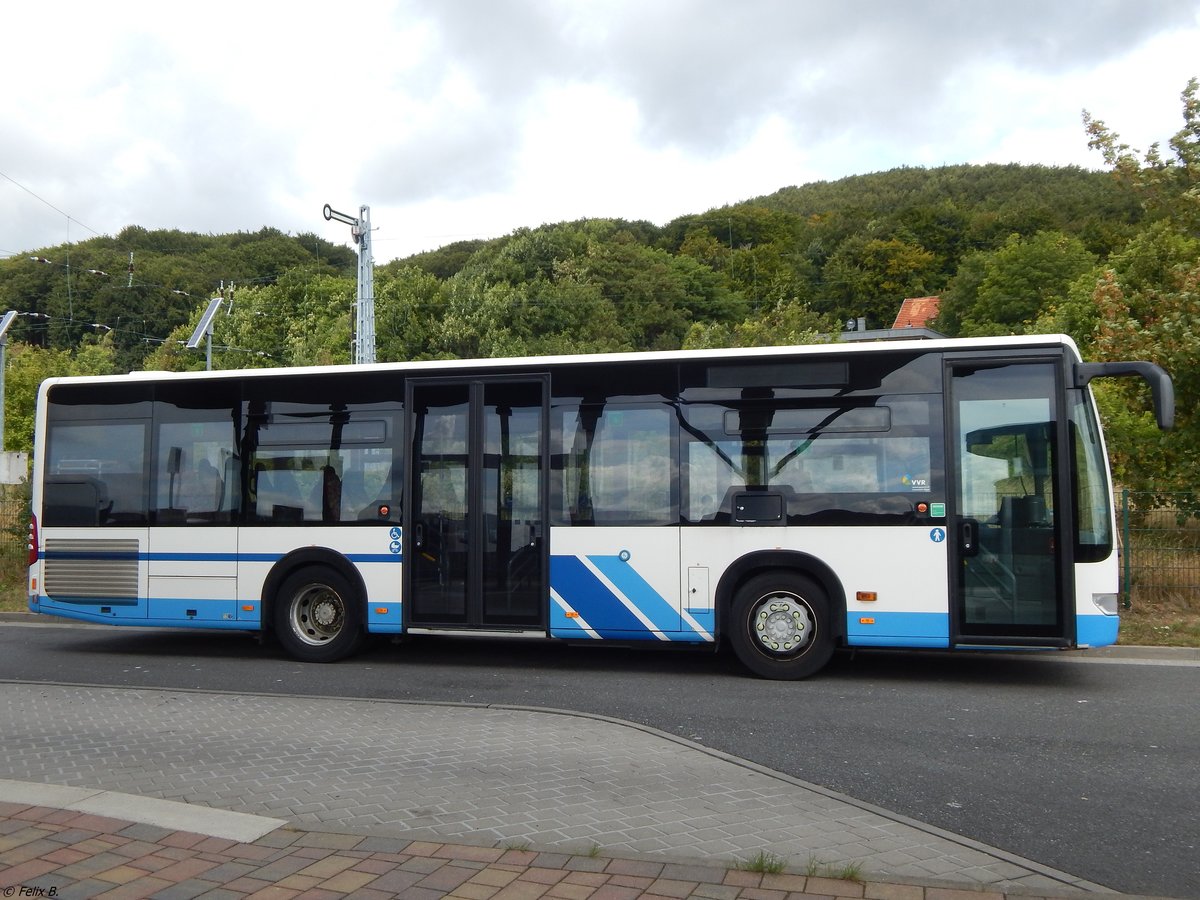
(70, 321)
(43, 200)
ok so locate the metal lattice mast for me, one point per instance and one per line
(364, 304)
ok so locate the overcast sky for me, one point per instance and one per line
(455, 119)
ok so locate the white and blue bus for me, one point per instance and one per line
(790, 501)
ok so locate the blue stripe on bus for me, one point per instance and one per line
(91, 554)
(587, 595)
(897, 629)
(175, 556)
(638, 591)
(195, 557)
(561, 626)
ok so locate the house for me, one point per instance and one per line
(916, 312)
(912, 322)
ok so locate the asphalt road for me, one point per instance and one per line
(1086, 766)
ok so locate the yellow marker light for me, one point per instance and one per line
(866, 621)
(249, 607)
(572, 615)
(381, 610)
(866, 596)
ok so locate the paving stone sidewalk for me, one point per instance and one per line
(47, 852)
(428, 776)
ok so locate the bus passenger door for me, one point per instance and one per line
(1010, 572)
(474, 529)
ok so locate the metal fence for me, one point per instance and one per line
(1160, 548)
(1158, 537)
(14, 530)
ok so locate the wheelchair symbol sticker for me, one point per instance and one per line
(937, 535)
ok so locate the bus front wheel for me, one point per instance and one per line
(318, 616)
(780, 626)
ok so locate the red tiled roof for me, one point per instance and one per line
(915, 312)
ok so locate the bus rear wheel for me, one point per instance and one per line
(780, 626)
(318, 616)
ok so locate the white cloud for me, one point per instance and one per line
(456, 119)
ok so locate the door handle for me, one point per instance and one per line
(968, 537)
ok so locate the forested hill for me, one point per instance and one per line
(134, 289)
(823, 252)
(917, 224)
(1066, 194)
(1009, 248)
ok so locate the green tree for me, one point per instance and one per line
(564, 315)
(656, 295)
(701, 246)
(442, 263)
(1148, 305)
(27, 366)
(1169, 187)
(409, 308)
(1076, 315)
(1022, 279)
(1143, 457)
(871, 277)
(300, 320)
(567, 315)
(786, 324)
(961, 294)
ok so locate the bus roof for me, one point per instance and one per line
(1012, 342)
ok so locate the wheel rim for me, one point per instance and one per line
(317, 614)
(782, 625)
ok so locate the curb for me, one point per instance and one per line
(234, 826)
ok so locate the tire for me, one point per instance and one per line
(779, 626)
(318, 615)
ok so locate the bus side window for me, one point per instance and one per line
(709, 476)
(383, 490)
(617, 466)
(99, 473)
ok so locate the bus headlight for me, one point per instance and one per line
(1106, 603)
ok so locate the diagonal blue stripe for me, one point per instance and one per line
(639, 592)
(585, 593)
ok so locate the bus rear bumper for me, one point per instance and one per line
(1096, 631)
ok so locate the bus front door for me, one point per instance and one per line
(474, 526)
(1010, 577)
